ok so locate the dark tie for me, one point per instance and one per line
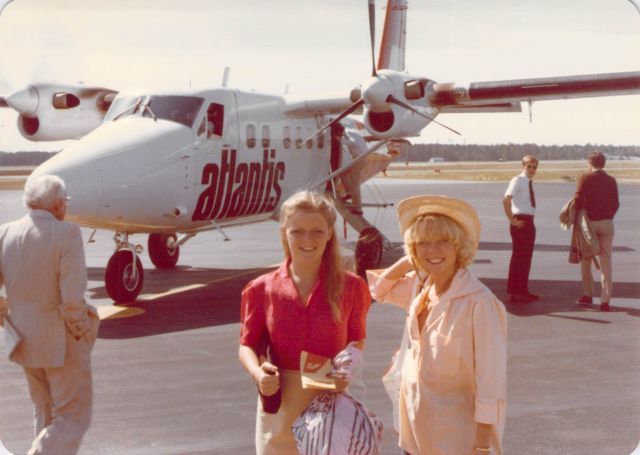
(532, 197)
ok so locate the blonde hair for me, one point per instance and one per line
(433, 228)
(309, 201)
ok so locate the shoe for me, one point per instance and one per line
(604, 306)
(518, 298)
(531, 296)
(585, 300)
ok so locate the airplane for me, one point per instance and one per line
(172, 164)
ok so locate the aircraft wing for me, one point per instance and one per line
(306, 108)
(505, 95)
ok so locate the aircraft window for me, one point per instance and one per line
(266, 136)
(298, 137)
(251, 136)
(180, 109)
(203, 127)
(321, 140)
(286, 137)
(215, 119)
(64, 100)
(121, 106)
(310, 141)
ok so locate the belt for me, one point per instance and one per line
(522, 216)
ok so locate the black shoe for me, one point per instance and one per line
(531, 296)
(585, 300)
(604, 306)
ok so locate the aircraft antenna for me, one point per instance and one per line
(225, 76)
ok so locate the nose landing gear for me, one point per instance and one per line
(123, 277)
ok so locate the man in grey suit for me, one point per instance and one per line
(42, 267)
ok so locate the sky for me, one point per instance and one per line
(320, 48)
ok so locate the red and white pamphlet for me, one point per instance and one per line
(314, 369)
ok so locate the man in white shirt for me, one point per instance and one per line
(520, 207)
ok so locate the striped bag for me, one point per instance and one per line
(337, 424)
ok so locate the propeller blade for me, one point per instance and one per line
(394, 100)
(372, 30)
(350, 110)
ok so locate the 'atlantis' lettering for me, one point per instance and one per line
(239, 189)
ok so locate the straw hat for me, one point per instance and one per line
(460, 211)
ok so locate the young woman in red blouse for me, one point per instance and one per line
(310, 303)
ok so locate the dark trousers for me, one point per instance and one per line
(523, 239)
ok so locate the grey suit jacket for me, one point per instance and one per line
(42, 266)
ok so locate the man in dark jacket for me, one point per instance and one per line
(597, 194)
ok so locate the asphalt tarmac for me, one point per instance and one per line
(167, 379)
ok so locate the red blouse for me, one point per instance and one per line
(272, 307)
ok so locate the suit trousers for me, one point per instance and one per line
(523, 239)
(603, 231)
(63, 399)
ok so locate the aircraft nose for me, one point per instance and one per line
(83, 182)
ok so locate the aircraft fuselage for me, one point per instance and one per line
(178, 162)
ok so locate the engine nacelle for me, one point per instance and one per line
(51, 112)
(384, 96)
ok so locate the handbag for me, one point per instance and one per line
(336, 423)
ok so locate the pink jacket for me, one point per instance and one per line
(454, 372)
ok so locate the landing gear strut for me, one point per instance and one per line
(164, 250)
(124, 276)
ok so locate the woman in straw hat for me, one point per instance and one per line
(453, 386)
(309, 303)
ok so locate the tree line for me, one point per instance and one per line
(514, 152)
(424, 152)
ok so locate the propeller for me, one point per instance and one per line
(372, 32)
(24, 101)
(377, 92)
(394, 100)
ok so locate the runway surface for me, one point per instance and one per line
(167, 378)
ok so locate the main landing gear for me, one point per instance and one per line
(369, 249)
(371, 242)
(164, 250)
(124, 275)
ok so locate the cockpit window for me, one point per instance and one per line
(180, 109)
(121, 106)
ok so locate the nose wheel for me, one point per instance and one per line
(123, 277)
(163, 250)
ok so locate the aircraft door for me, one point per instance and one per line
(217, 140)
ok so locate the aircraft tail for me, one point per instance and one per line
(392, 46)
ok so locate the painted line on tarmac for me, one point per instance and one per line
(117, 312)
